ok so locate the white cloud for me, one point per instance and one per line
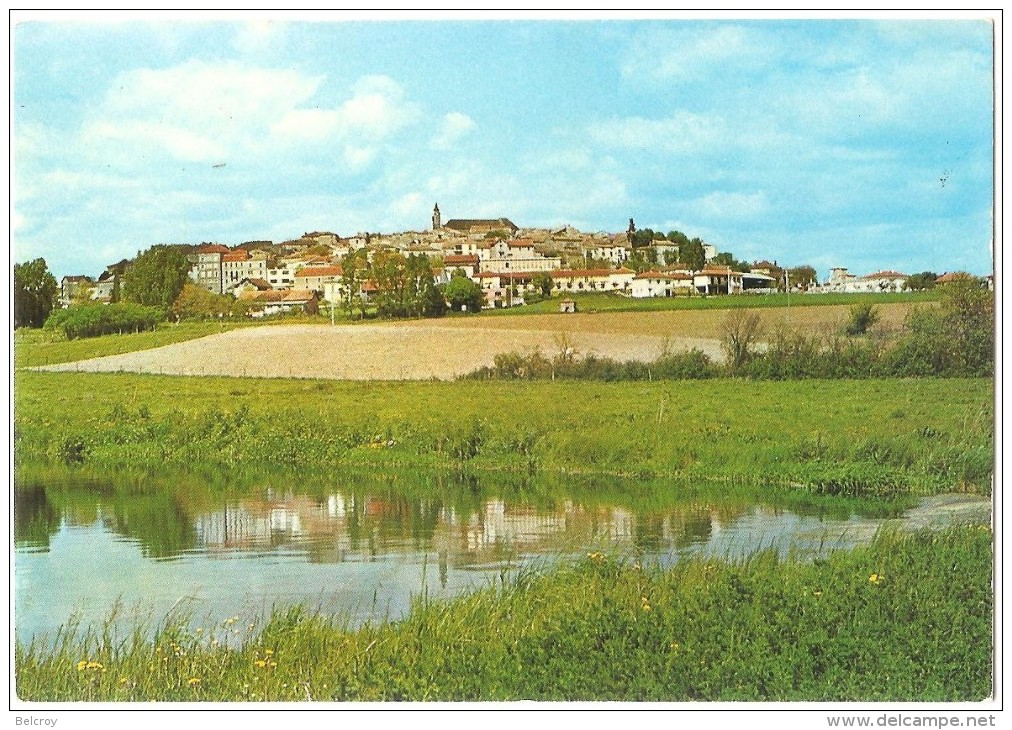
(194, 111)
(728, 205)
(454, 126)
(692, 53)
(681, 133)
(258, 36)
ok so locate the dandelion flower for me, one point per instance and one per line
(876, 578)
(82, 664)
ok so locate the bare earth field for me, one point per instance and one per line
(447, 348)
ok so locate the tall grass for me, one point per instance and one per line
(604, 302)
(907, 618)
(874, 436)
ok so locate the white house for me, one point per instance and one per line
(588, 280)
(316, 278)
(661, 284)
(840, 280)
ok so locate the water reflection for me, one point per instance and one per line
(358, 545)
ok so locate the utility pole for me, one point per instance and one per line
(787, 286)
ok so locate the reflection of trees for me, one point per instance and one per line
(158, 522)
(657, 532)
(467, 518)
(35, 519)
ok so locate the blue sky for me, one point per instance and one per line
(858, 143)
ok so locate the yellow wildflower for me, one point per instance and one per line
(193, 681)
(260, 663)
(82, 664)
(876, 578)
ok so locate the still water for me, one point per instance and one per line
(361, 548)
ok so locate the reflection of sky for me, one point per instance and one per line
(365, 559)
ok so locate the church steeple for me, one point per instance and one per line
(437, 222)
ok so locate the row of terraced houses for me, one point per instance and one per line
(497, 254)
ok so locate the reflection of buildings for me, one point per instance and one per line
(359, 527)
(356, 526)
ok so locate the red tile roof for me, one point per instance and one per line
(670, 275)
(584, 273)
(952, 276)
(460, 259)
(235, 256)
(213, 248)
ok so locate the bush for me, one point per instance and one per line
(95, 320)
(862, 316)
(740, 332)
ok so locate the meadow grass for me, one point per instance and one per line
(48, 347)
(852, 438)
(605, 302)
(906, 618)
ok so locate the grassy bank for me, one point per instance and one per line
(48, 347)
(602, 302)
(905, 619)
(868, 438)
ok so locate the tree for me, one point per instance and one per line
(196, 302)
(740, 331)
(921, 282)
(967, 309)
(642, 237)
(692, 254)
(544, 283)
(156, 277)
(725, 258)
(355, 271)
(427, 300)
(803, 276)
(35, 293)
(677, 237)
(462, 294)
(862, 316)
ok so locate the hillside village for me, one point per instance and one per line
(510, 264)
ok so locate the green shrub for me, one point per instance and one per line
(862, 316)
(94, 320)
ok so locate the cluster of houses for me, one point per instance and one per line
(504, 260)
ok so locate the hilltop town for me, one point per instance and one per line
(509, 264)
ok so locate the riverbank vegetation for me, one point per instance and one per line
(955, 339)
(831, 437)
(907, 618)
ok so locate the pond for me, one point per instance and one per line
(215, 546)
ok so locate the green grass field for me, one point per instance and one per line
(602, 302)
(907, 618)
(834, 437)
(46, 347)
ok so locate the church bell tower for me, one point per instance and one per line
(437, 222)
